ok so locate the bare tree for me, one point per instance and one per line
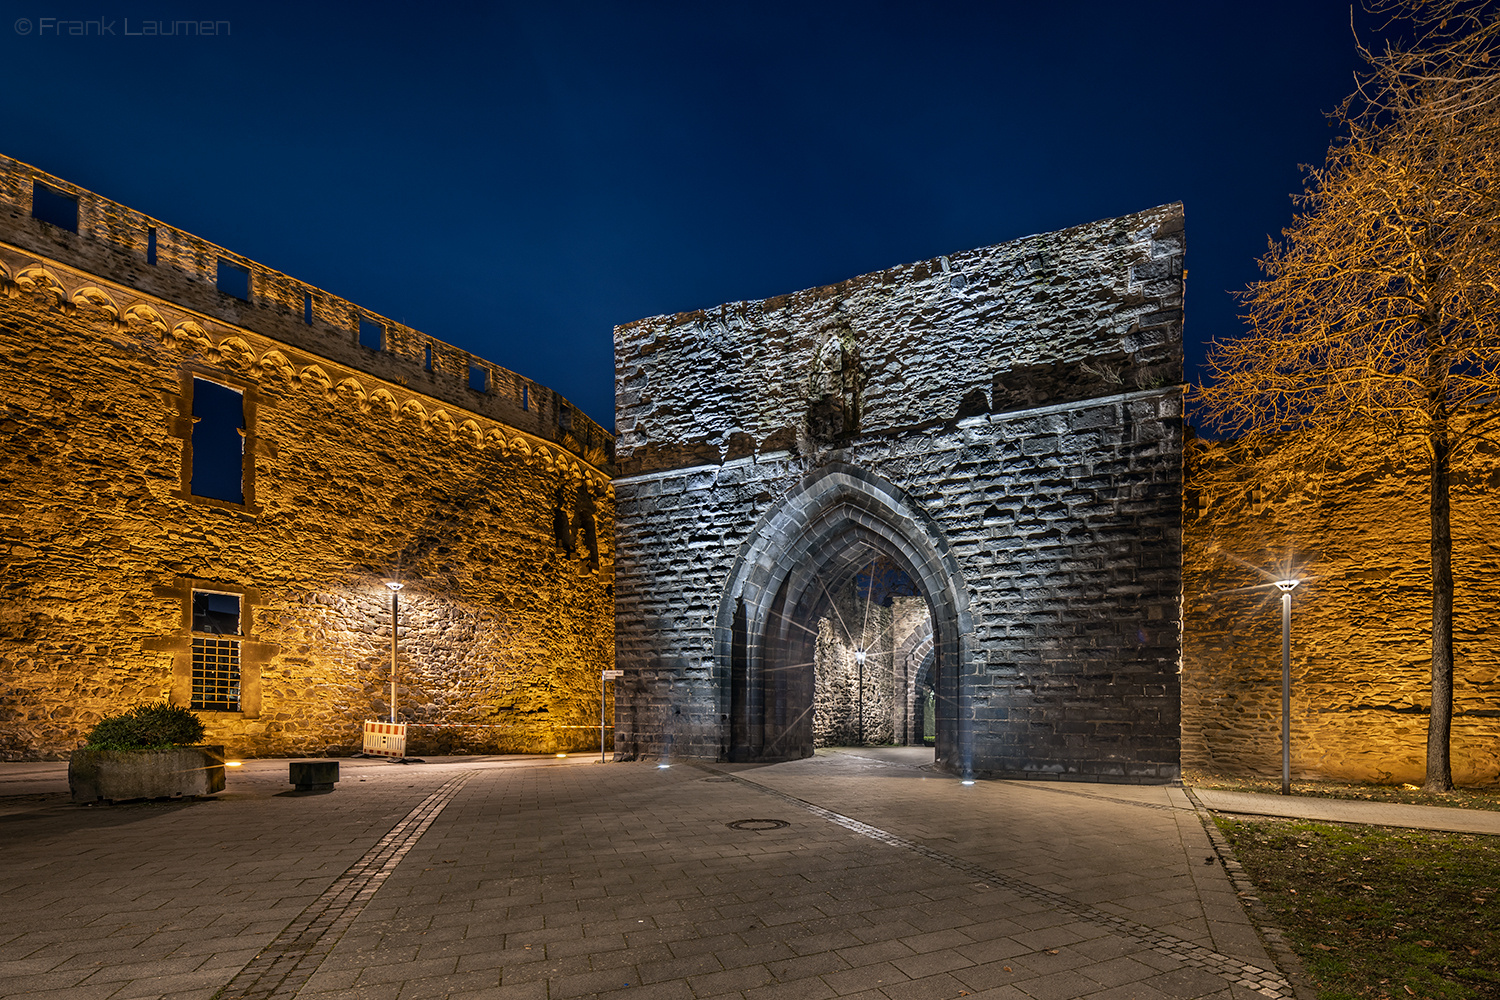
(1454, 63)
(1380, 305)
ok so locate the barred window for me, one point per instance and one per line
(216, 656)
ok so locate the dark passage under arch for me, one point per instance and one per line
(791, 585)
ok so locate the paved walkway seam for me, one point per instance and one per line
(284, 966)
(1267, 982)
(1042, 785)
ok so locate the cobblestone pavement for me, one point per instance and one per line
(856, 873)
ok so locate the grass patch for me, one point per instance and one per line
(1380, 912)
(1480, 797)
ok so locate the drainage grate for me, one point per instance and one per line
(758, 824)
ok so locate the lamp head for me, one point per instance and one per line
(395, 585)
(859, 657)
(1287, 586)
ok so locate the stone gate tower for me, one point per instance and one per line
(937, 504)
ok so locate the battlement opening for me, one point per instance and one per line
(54, 207)
(233, 279)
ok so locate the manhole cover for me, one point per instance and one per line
(758, 824)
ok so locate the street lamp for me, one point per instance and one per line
(859, 660)
(395, 586)
(1286, 587)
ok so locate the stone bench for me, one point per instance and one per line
(314, 775)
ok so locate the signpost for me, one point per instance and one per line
(604, 676)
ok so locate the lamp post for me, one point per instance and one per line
(1286, 587)
(859, 660)
(395, 586)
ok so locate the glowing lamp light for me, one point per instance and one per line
(967, 781)
(1287, 586)
(232, 763)
(562, 755)
(662, 767)
(395, 585)
(859, 656)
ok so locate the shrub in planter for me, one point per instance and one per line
(146, 753)
(146, 727)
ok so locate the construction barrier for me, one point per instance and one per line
(385, 739)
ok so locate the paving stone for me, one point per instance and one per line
(756, 924)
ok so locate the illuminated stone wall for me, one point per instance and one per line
(1015, 412)
(360, 457)
(885, 633)
(1357, 529)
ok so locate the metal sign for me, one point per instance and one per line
(610, 675)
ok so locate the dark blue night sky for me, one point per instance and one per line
(518, 178)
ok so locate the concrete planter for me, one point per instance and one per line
(116, 775)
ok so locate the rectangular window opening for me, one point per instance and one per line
(51, 206)
(427, 359)
(218, 443)
(371, 335)
(307, 308)
(525, 396)
(234, 279)
(216, 656)
(564, 416)
(479, 378)
(151, 245)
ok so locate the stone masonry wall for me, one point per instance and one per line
(503, 630)
(1356, 529)
(116, 241)
(1025, 396)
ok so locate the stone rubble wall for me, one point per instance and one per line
(502, 631)
(1025, 396)
(1357, 530)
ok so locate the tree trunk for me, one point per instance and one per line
(1439, 723)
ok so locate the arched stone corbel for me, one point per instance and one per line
(188, 331)
(144, 314)
(93, 297)
(315, 378)
(272, 362)
(383, 400)
(442, 425)
(233, 351)
(36, 277)
(350, 391)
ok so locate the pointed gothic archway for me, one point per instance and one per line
(806, 549)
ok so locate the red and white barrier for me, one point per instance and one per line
(385, 739)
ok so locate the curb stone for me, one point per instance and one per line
(1271, 934)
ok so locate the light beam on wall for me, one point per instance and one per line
(395, 586)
